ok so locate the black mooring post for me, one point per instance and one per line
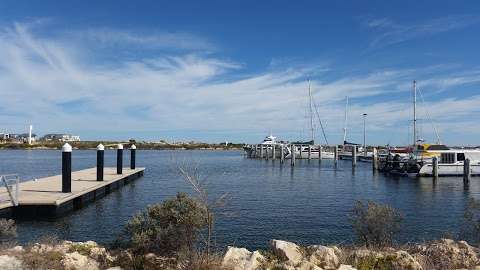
(100, 161)
(119, 158)
(66, 168)
(133, 149)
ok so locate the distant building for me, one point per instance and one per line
(19, 138)
(61, 138)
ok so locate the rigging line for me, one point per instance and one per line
(430, 118)
(319, 120)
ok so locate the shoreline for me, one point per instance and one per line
(92, 145)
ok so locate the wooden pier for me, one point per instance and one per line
(44, 197)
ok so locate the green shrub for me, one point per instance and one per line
(8, 230)
(375, 224)
(167, 228)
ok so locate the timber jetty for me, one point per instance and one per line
(56, 195)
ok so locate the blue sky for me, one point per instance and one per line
(236, 70)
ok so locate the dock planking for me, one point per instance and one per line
(44, 197)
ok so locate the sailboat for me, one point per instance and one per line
(308, 149)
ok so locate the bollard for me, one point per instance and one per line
(375, 159)
(66, 168)
(100, 161)
(335, 155)
(119, 158)
(273, 152)
(133, 150)
(435, 167)
(354, 156)
(466, 170)
(282, 154)
(309, 152)
(292, 158)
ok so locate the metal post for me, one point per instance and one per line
(435, 167)
(282, 154)
(354, 156)
(133, 150)
(119, 158)
(466, 170)
(309, 152)
(364, 136)
(66, 168)
(100, 161)
(335, 155)
(273, 152)
(292, 154)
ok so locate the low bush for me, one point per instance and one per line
(374, 224)
(167, 228)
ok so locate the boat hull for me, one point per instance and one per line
(448, 169)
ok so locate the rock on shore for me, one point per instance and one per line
(441, 254)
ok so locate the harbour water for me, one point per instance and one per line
(309, 204)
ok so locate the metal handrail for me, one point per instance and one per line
(7, 179)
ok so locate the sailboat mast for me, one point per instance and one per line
(414, 114)
(311, 111)
(345, 122)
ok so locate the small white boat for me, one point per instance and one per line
(451, 163)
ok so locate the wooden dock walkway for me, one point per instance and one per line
(44, 197)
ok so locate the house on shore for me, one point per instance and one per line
(56, 137)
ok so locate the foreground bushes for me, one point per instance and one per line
(167, 228)
(374, 224)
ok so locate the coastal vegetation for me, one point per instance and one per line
(172, 234)
(161, 145)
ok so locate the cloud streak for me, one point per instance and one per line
(393, 33)
(47, 82)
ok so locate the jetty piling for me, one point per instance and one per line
(319, 153)
(119, 158)
(435, 167)
(292, 158)
(273, 152)
(354, 156)
(335, 155)
(66, 168)
(375, 159)
(133, 150)
(100, 162)
(466, 170)
(309, 152)
(261, 151)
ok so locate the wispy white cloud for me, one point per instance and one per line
(46, 82)
(391, 32)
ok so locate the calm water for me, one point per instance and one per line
(308, 204)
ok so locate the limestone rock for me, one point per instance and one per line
(325, 257)
(287, 251)
(77, 261)
(403, 260)
(453, 254)
(346, 267)
(242, 259)
(306, 265)
(10, 263)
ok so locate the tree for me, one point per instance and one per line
(167, 228)
(375, 224)
(209, 205)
